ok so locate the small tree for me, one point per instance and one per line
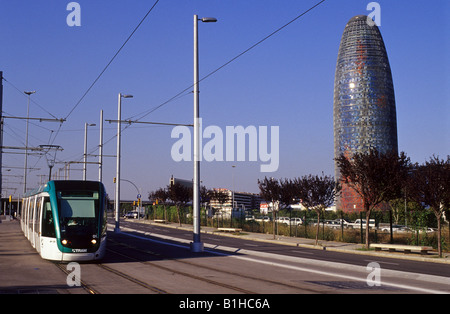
(270, 190)
(160, 196)
(219, 196)
(180, 195)
(429, 185)
(375, 176)
(317, 193)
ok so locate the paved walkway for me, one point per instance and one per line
(21, 267)
(354, 248)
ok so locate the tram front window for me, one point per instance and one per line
(78, 212)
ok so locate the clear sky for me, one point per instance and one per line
(286, 81)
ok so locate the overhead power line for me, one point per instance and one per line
(147, 112)
(110, 61)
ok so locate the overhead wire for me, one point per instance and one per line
(180, 94)
(188, 89)
(112, 59)
(104, 69)
(146, 113)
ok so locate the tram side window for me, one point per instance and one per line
(38, 214)
(30, 213)
(48, 226)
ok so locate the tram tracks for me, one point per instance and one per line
(177, 271)
(88, 288)
(120, 252)
(204, 267)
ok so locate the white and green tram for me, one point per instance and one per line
(66, 220)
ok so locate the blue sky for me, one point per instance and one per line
(286, 81)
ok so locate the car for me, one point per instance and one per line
(283, 220)
(342, 222)
(263, 219)
(296, 221)
(387, 228)
(249, 218)
(358, 222)
(131, 214)
(332, 224)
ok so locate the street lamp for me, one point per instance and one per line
(197, 245)
(117, 197)
(85, 149)
(29, 93)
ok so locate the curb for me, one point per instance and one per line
(321, 246)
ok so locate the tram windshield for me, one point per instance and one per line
(78, 212)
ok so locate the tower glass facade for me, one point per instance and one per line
(364, 101)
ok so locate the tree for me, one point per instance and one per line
(429, 185)
(376, 177)
(317, 192)
(160, 196)
(219, 196)
(288, 192)
(270, 190)
(180, 195)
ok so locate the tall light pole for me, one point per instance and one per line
(26, 144)
(117, 197)
(85, 149)
(197, 245)
(1, 132)
(100, 150)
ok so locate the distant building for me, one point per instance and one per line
(364, 102)
(243, 201)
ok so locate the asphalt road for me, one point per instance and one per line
(341, 272)
(418, 267)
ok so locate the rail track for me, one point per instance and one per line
(185, 268)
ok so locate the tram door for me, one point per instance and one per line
(38, 225)
(31, 220)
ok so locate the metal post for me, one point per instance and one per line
(85, 151)
(100, 149)
(197, 245)
(119, 131)
(117, 197)
(1, 130)
(26, 145)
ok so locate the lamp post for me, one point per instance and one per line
(85, 149)
(100, 150)
(117, 197)
(197, 245)
(26, 144)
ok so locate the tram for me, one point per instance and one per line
(66, 220)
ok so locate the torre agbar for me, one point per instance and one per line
(364, 102)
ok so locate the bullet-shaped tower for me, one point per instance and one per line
(364, 102)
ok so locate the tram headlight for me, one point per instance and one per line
(64, 242)
(94, 241)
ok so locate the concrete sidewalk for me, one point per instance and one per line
(354, 248)
(21, 267)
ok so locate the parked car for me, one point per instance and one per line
(249, 218)
(357, 224)
(387, 228)
(263, 219)
(131, 214)
(343, 222)
(332, 224)
(283, 220)
(296, 221)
